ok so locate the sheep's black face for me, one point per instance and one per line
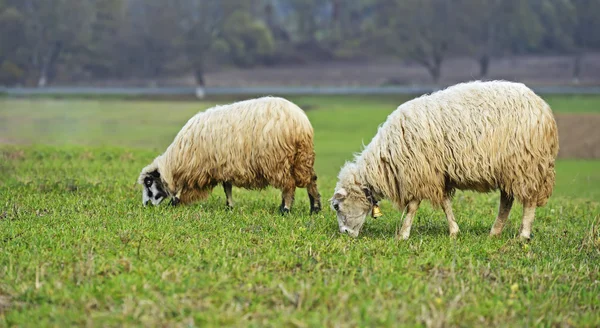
(154, 190)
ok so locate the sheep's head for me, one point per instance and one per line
(154, 189)
(351, 208)
(352, 200)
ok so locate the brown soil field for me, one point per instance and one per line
(579, 135)
(532, 70)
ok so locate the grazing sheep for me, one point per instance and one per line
(250, 144)
(478, 136)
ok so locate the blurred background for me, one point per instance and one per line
(249, 43)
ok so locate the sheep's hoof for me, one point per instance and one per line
(525, 236)
(402, 236)
(315, 210)
(284, 210)
(228, 207)
(525, 239)
(495, 234)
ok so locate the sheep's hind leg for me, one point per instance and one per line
(287, 199)
(227, 187)
(313, 196)
(447, 207)
(528, 217)
(506, 202)
(411, 209)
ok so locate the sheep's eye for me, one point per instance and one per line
(148, 182)
(336, 207)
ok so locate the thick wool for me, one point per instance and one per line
(250, 144)
(478, 136)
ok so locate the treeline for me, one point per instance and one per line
(42, 40)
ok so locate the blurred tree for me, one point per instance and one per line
(273, 21)
(12, 24)
(224, 30)
(149, 37)
(318, 29)
(309, 26)
(104, 57)
(420, 30)
(41, 39)
(307, 14)
(200, 23)
(492, 26)
(570, 26)
(248, 40)
(558, 18)
(347, 24)
(586, 32)
(54, 29)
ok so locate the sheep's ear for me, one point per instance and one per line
(340, 194)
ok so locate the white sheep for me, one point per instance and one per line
(250, 144)
(478, 136)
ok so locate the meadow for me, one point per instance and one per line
(78, 248)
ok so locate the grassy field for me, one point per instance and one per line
(77, 247)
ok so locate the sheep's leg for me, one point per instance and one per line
(528, 217)
(287, 199)
(313, 196)
(447, 207)
(506, 202)
(411, 209)
(227, 187)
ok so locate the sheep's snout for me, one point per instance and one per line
(348, 231)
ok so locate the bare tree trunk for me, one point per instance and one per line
(43, 79)
(484, 57)
(435, 72)
(200, 82)
(199, 76)
(436, 68)
(484, 64)
(577, 59)
(48, 64)
(433, 65)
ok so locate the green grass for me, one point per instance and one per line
(77, 247)
(574, 103)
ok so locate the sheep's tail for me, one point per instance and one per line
(547, 186)
(551, 141)
(303, 169)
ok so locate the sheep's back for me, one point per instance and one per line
(479, 135)
(250, 143)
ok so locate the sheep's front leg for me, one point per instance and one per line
(506, 202)
(287, 199)
(313, 196)
(411, 209)
(227, 187)
(447, 207)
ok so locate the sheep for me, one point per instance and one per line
(479, 136)
(249, 144)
